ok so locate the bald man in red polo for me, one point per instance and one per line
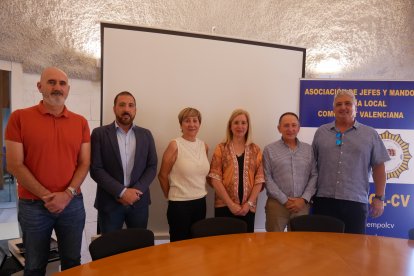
(48, 151)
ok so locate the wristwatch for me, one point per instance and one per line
(72, 191)
(382, 198)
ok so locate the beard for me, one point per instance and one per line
(125, 119)
(55, 98)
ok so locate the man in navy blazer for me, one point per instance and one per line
(123, 164)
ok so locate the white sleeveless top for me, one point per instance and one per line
(188, 175)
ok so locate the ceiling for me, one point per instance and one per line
(356, 38)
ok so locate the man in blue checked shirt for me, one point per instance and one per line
(346, 152)
(290, 174)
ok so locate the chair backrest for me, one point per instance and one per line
(3, 257)
(316, 223)
(218, 226)
(120, 241)
(411, 234)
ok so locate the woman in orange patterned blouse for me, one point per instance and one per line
(236, 171)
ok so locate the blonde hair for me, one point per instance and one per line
(188, 112)
(229, 134)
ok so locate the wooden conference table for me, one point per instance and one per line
(293, 253)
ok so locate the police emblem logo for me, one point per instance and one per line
(399, 152)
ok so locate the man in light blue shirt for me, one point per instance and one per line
(290, 174)
(123, 164)
(346, 151)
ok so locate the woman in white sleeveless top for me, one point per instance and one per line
(182, 176)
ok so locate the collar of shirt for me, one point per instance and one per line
(118, 128)
(42, 109)
(297, 142)
(333, 127)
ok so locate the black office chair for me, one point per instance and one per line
(3, 257)
(218, 226)
(316, 223)
(411, 234)
(120, 241)
(8, 265)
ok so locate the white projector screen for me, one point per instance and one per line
(168, 70)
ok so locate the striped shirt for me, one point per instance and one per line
(289, 173)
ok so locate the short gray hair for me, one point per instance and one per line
(345, 92)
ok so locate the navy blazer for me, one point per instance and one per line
(106, 166)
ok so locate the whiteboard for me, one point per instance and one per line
(169, 70)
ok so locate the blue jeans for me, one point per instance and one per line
(37, 224)
(114, 219)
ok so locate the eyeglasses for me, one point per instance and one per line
(338, 139)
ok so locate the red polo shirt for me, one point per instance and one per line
(51, 145)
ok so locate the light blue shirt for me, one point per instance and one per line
(289, 173)
(127, 145)
(344, 168)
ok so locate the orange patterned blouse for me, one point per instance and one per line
(224, 167)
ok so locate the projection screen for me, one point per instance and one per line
(169, 70)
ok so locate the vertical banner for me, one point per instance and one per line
(387, 106)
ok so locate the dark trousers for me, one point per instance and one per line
(248, 218)
(115, 219)
(182, 214)
(353, 214)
